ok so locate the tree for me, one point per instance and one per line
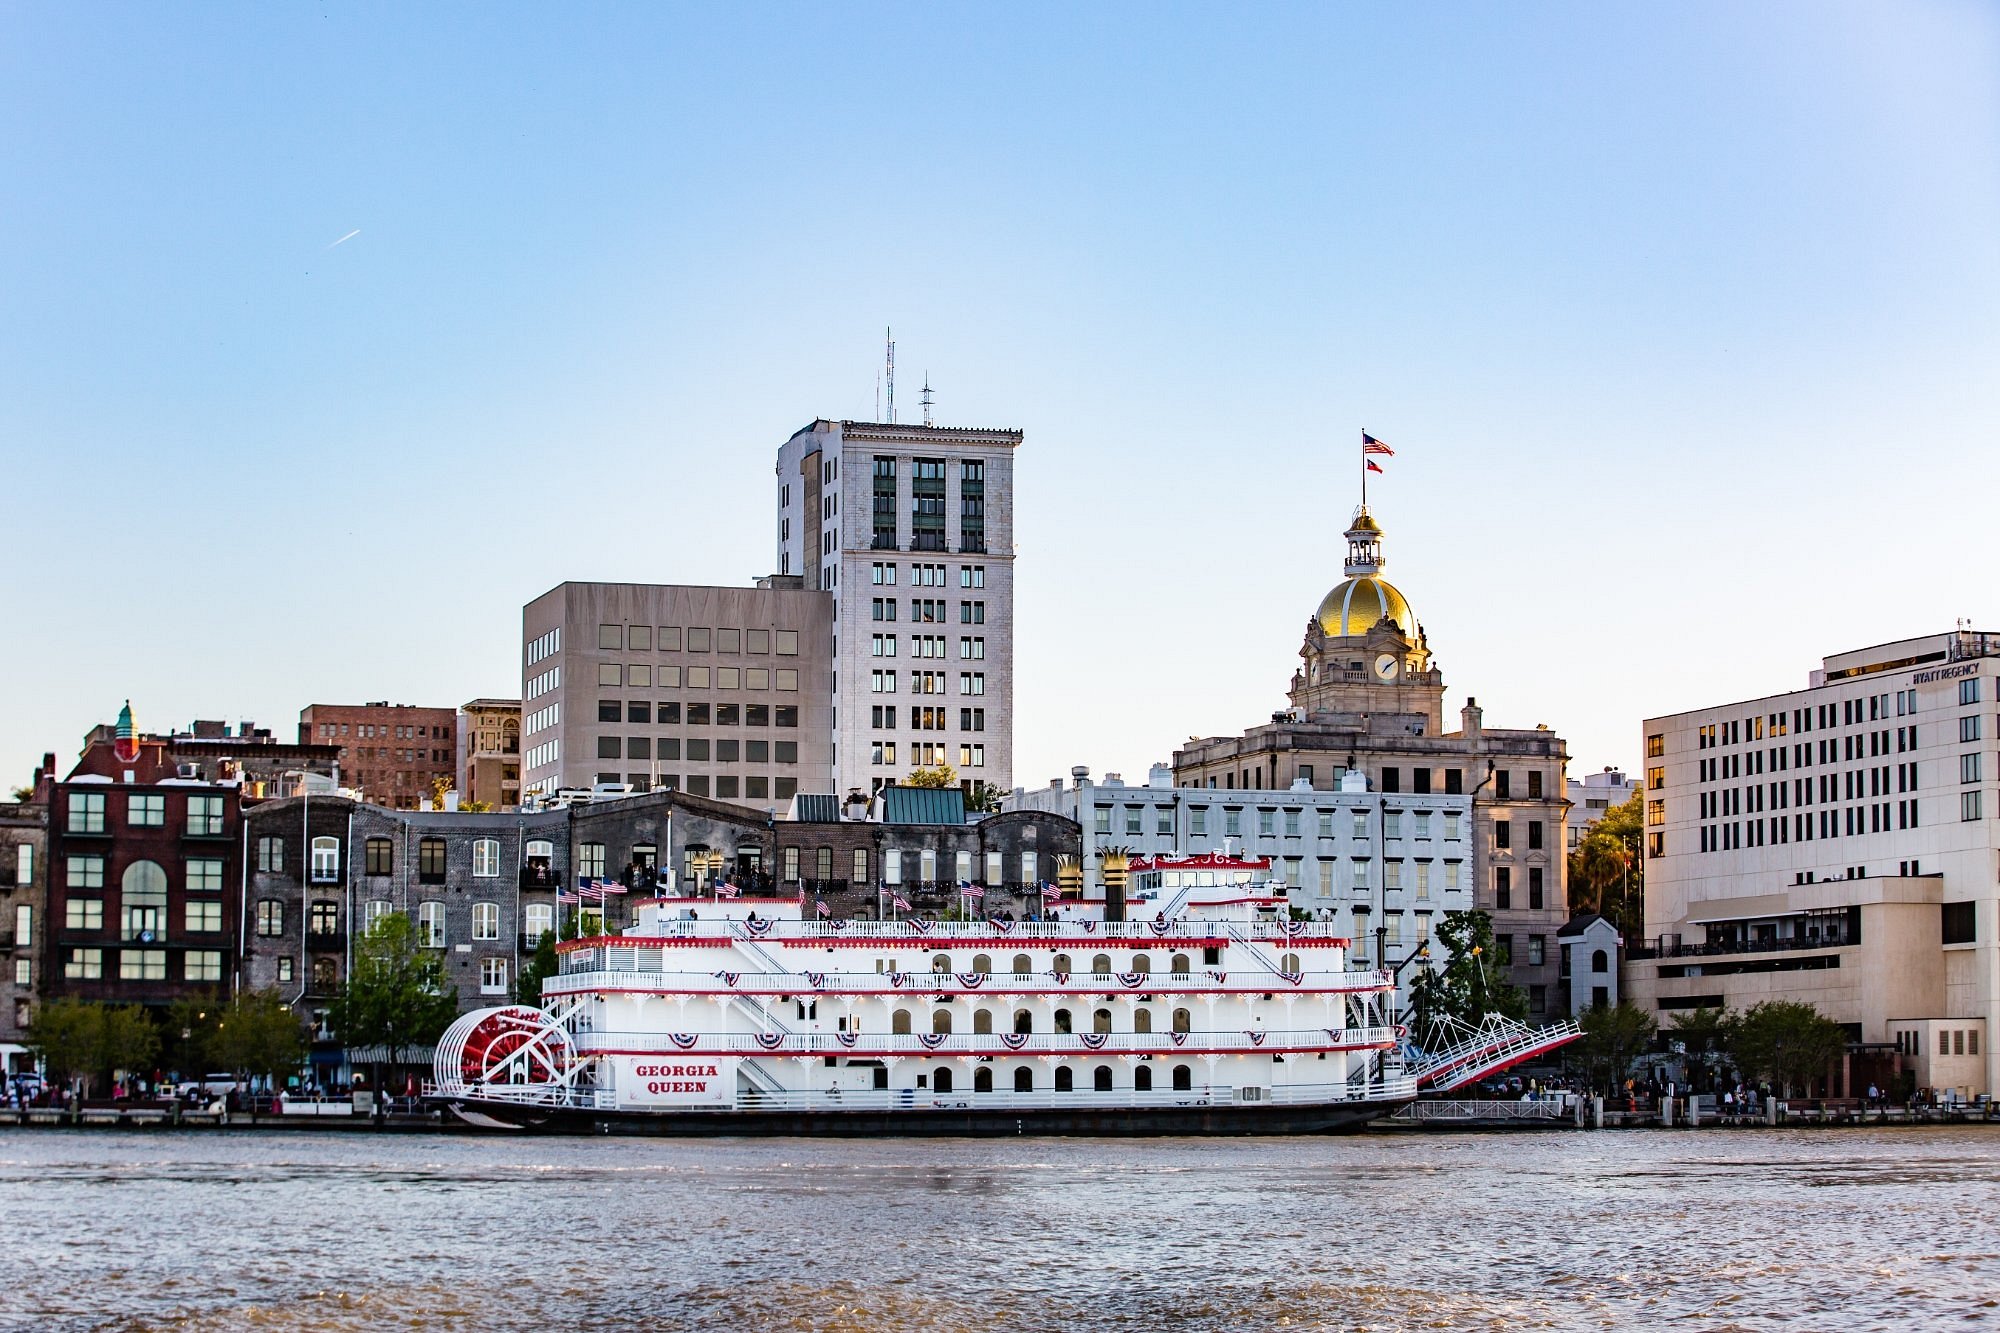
(1606, 873)
(63, 1034)
(1786, 1041)
(259, 1034)
(1471, 985)
(984, 798)
(540, 967)
(397, 995)
(1613, 1036)
(190, 1032)
(941, 777)
(1703, 1035)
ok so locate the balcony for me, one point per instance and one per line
(1661, 948)
(540, 877)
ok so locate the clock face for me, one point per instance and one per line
(1385, 666)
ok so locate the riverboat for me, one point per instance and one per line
(1214, 1013)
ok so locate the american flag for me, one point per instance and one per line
(823, 909)
(568, 898)
(1371, 445)
(902, 903)
(728, 891)
(611, 886)
(588, 890)
(1050, 892)
(974, 891)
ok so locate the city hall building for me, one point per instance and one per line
(1837, 845)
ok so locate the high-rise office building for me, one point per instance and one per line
(910, 530)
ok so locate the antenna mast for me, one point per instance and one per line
(927, 398)
(889, 373)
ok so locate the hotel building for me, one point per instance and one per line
(910, 531)
(1838, 845)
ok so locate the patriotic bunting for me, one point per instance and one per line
(1089, 927)
(1256, 1038)
(757, 929)
(1062, 978)
(846, 1039)
(1004, 927)
(899, 979)
(921, 927)
(1014, 1041)
(932, 1040)
(817, 980)
(1134, 980)
(1092, 1040)
(972, 980)
(729, 979)
(684, 1040)
(1180, 1038)
(1291, 978)
(770, 1041)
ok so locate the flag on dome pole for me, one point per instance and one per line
(1371, 446)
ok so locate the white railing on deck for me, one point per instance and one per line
(907, 934)
(613, 969)
(1301, 1041)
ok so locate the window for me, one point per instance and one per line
(486, 858)
(83, 914)
(86, 812)
(1968, 691)
(270, 855)
(146, 811)
(431, 863)
(203, 915)
(142, 965)
(204, 965)
(204, 816)
(1969, 805)
(430, 925)
(84, 964)
(24, 864)
(270, 918)
(486, 921)
(590, 860)
(204, 875)
(325, 861)
(1503, 833)
(492, 976)
(86, 872)
(380, 854)
(1503, 887)
(1968, 767)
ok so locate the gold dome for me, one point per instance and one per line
(1363, 523)
(1352, 608)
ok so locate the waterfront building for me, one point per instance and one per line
(1837, 845)
(24, 880)
(1590, 799)
(910, 531)
(144, 871)
(394, 754)
(1368, 700)
(1380, 864)
(489, 752)
(717, 692)
(1590, 947)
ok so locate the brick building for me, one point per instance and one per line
(393, 754)
(144, 865)
(24, 882)
(489, 753)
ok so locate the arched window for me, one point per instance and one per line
(940, 1021)
(1101, 1021)
(144, 886)
(1183, 1021)
(1289, 962)
(900, 1023)
(982, 1021)
(1142, 1020)
(1183, 1078)
(326, 976)
(1599, 962)
(1060, 963)
(1101, 1080)
(940, 962)
(1023, 965)
(1062, 1020)
(1065, 1081)
(1142, 963)
(982, 962)
(1024, 1021)
(325, 860)
(1142, 1078)
(941, 1080)
(1101, 965)
(982, 1079)
(1180, 965)
(1024, 1079)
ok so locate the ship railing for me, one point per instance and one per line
(620, 965)
(1149, 929)
(1073, 1044)
(1079, 1099)
(552, 1095)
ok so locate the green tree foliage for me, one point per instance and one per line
(81, 1039)
(257, 1033)
(1703, 1035)
(539, 968)
(1613, 1036)
(1607, 875)
(397, 996)
(189, 1030)
(941, 777)
(1786, 1041)
(984, 798)
(1472, 984)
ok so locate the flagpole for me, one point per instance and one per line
(1364, 468)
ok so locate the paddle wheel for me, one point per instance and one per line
(513, 1054)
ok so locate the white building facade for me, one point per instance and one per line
(910, 528)
(1839, 845)
(1591, 799)
(1382, 867)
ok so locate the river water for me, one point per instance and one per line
(1829, 1229)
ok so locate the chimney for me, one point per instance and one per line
(1069, 877)
(1081, 776)
(1469, 717)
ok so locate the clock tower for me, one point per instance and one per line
(1365, 654)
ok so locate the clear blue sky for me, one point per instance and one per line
(1684, 321)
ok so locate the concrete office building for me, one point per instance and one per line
(1368, 699)
(1838, 845)
(910, 530)
(722, 692)
(1384, 865)
(1592, 798)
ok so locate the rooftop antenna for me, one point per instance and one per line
(927, 398)
(889, 374)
